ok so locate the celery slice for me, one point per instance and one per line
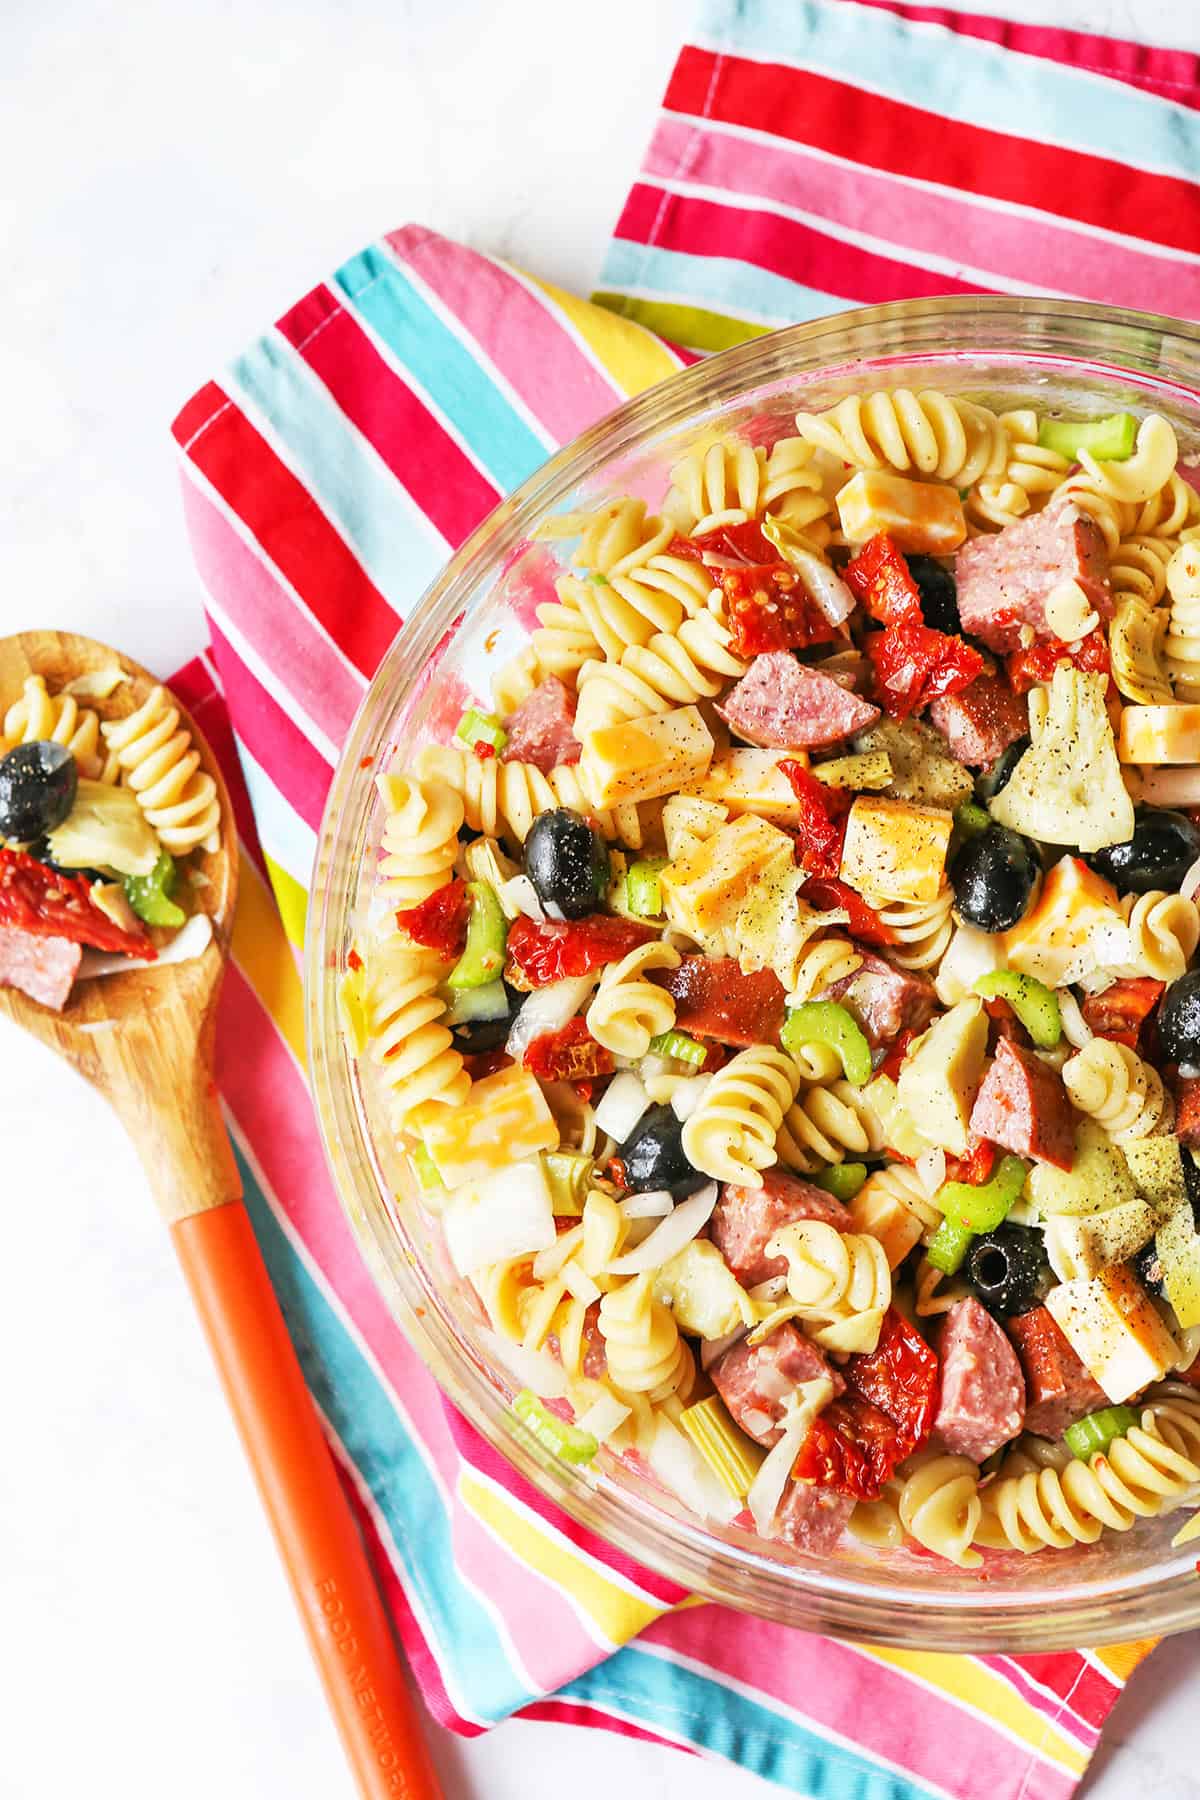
(825, 1022)
(842, 1180)
(1087, 1437)
(970, 819)
(679, 1045)
(643, 896)
(487, 933)
(981, 1206)
(1034, 1003)
(556, 1435)
(477, 727)
(568, 1176)
(948, 1246)
(1109, 440)
(425, 1170)
(729, 1453)
(150, 895)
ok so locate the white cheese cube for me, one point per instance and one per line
(1160, 734)
(505, 1117)
(703, 890)
(640, 759)
(1059, 938)
(917, 514)
(894, 849)
(1112, 1326)
(750, 781)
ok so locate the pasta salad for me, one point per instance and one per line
(784, 990)
(99, 820)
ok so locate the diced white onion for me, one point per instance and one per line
(579, 1283)
(603, 1417)
(547, 1009)
(509, 1214)
(683, 1471)
(824, 584)
(930, 1170)
(688, 1095)
(1171, 787)
(536, 1370)
(655, 1205)
(766, 1490)
(622, 1105)
(683, 1224)
(192, 939)
(1076, 1029)
(970, 954)
(1191, 881)
(773, 1288)
(519, 893)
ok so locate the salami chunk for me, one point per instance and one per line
(542, 730)
(755, 1383)
(746, 1218)
(42, 967)
(782, 704)
(811, 1518)
(884, 1000)
(1023, 1106)
(982, 721)
(1005, 578)
(1058, 1389)
(982, 1402)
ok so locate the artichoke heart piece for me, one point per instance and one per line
(1068, 788)
(703, 1292)
(773, 923)
(105, 829)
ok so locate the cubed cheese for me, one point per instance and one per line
(703, 890)
(1178, 1246)
(749, 781)
(918, 514)
(1112, 1326)
(894, 849)
(879, 1214)
(1054, 941)
(640, 759)
(1160, 734)
(504, 1118)
(941, 1074)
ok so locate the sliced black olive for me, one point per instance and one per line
(1162, 849)
(37, 789)
(1179, 1022)
(939, 595)
(994, 875)
(567, 861)
(1007, 1269)
(653, 1156)
(989, 784)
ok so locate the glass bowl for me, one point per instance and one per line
(1005, 351)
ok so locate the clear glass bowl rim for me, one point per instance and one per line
(1157, 352)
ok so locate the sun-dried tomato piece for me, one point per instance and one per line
(1121, 1010)
(826, 892)
(571, 1054)
(893, 1062)
(976, 1166)
(440, 922)
(822, 824)
(915, 664)
(545, 950)
(879, 577)
(49, 904)
(767, 605)
(886, 1414)
(1027, 668)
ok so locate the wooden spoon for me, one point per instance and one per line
(145, 1039)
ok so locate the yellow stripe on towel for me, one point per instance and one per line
(262, 952)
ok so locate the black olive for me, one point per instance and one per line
(994, 875)
(939, 595)
(1162, 849)
(1179, 1023)
(653, 1156)
(37, 789)
(567, 861)
(989, 784)
(1007, 1269)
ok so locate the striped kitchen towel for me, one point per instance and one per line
(809, 156)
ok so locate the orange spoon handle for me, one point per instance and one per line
(322, 1551)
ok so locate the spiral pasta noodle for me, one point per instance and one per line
(1137, 568)
(1145, 473)
(1136, 642)
(939, 1506)
(896, 1184)
(927, 433)
(560, 645)
(1164, 929)
(694, 663)
(160, 763)
(504, 798)
(1029, 475)
(935, 1292)
(921, 929)
(628, 1010)
(719, 485)
(731, 1134)
(1138, 1477)
(816, 1061)
(646, 1355)
(818, 965)
(58, 718)
(825, 1125)
(839, 1282)
(413, 1051)
(1183, 632)
(1112, 1084)
(1172, 512)
(420, 838)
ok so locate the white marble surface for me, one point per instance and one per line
(175, 171)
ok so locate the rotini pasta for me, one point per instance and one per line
(628, 1010)
(731, 1134)
(60, 719)
(420, 838)
(646, 1355)
(413, 1051)
(560, 645)
(1139, 1476)
(839, 1282)
(1030, 475)
(825, 1125)
(939, 1506)
(504, 798)
(693, 664)
(160, 763)
(1113, 1085)
(921, 929)
(927, 433)
(1164, 930)
(1183, 631)
(819, 964)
